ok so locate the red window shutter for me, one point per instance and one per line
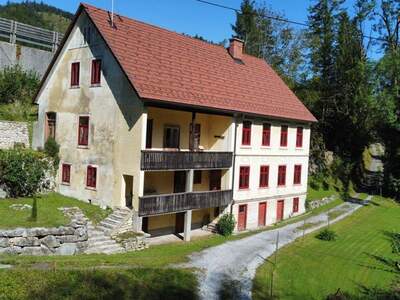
(66, 173)
(299, 137)
(96, 71)
(83, 131)
(244, 177)
(284, 135)
(246, 133)
(264, 176)
(266, 134)
(281, 175)
(91, 177)
(297, 174)
(295, 205)
(75, 74)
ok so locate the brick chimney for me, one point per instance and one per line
(236, 48)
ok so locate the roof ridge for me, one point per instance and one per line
(184, 35)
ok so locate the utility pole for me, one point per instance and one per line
(274, 265)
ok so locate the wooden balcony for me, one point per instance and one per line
(181, 160)
(169, 203)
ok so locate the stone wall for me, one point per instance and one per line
(12, 133)
(63, 240)
(30, 59)
(317, 203)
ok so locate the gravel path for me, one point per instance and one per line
(235, 263)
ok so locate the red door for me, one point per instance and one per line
(242, 217)
(279, 210)
(262, 213)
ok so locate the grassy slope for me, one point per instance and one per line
(48, 213)
(318, 190)
(311, 269)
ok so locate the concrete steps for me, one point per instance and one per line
(115, 220)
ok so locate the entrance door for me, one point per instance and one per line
(279, 210)
(242, 217)
(262, 213)
(179, 181)
(179, 222)
(128, 190)
(145, 224)
(215, 180)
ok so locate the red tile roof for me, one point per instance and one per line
(166, 66)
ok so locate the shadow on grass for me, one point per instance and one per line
(99, 284)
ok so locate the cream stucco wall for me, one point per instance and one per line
(116, 121)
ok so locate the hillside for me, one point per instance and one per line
(37, 14)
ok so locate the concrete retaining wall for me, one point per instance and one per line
(28, 58)
(12, 133)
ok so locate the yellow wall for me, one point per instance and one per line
(159, 182)
(211, 125)
(163, 221)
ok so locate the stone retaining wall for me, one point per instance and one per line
(12, 133)
(317, 203)
(63, 240)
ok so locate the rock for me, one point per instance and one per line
(13, 232)
(24, 241)
(4, 242)
(81, 247)
(50, 241)
(21, 206)
(67, 249)
(13, 250)
(42, 250)
(3, 193)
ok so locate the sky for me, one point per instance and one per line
(190, 16)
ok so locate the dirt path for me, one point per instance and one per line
(233, 264)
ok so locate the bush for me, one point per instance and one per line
(327, 235)
(51, 148)
(226, 224)
(23, 172)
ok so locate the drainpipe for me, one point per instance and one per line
(234, 157)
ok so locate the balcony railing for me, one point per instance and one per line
(169, 203)
(180, 160)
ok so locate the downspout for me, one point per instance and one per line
(234, 158)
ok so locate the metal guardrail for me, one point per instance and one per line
(20, 32)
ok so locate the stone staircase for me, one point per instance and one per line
(99, 242)
(211, 227)
(116, 221)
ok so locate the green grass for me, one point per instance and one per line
(98, 284)
(318, 189)
(48, 213)
(312, 269)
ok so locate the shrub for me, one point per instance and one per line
(226, 224)
(51, 148)
(327, 235)
(23, 172)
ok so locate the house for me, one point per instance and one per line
(175, 128)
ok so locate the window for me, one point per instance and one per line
(87, 35)
(197, 177)
(96, 72)
(51, 125)
(244, 177)
(264, 176)
(149, 134)
(171, 137)
(282, 175)
(75, 74)
(266, 134)
(83, 131)
(299, 137)
(297, 174)
(246, 133)
(284, 135)
(295, 205)
(66, 173)
(91, 177)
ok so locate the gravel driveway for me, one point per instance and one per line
(235, 263)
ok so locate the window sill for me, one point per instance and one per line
(245, 146)
(91, 188)
(266, 147)
(65, 183)
(243, 189)
(283, 148)
(263, 187)
(83, 147)
(74, 87)
(296, 184)
(95, 85)
(281, 186)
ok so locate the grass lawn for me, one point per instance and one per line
(48, 213)
(318, 190)
(312, 269)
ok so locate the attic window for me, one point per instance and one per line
(87, 35)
